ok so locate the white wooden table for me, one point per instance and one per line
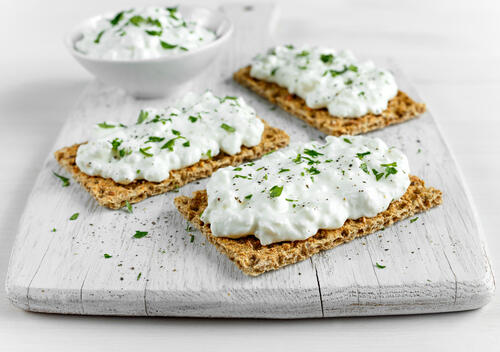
(40, 82)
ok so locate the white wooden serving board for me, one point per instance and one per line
(435, 264)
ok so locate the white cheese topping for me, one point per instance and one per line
(195, 128)
(328, 78)
(292, 193)
(145, 33)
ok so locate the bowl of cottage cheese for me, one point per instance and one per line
(150, 52)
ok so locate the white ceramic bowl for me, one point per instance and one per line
(159, 77)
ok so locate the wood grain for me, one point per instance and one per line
(435, 264)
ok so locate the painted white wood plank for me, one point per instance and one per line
(434, 264)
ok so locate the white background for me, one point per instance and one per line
(449, 49)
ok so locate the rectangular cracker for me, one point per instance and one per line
(113, 195)
(399, 109)
(254, 259)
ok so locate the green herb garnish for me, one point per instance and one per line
(155, 139)
(140, 234)
(275, 191)
(157, 33)
(364, 167)
(362, 155)
(74, 216)
(378, 175)
(413, 220)
(129, 206)
(116, 19)
(186, 144)
(193, 118)
(303, 53)
(98, 39)
(139, 276)
(107, 256)
(143, 115)
(228, 128)
(312, 153)
(105, 125)
(64, 180)
(326, 58)
(249, 196)
(347, 140)
(144, 151)
(166, 45)
(312, 170)
(379, 266)
(283, 170)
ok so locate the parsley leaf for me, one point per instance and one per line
(275, 191)
(144, 151)
(107, 256)
(347, 140)
(117, 18)
(166, 45)
(74, 216)
(249, 196)
(413, 220)
(379, 266)
(155, 139)
(327, 58)
(186, 144)
(312, 153)
(98, 39)
(140, 234)
(105, 125)
(64, 180)
(129, 206)
(143, 115)
(364, 168)
(228, 128)
(362, 155)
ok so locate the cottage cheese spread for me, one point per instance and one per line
(328, 78)
(195, 128)
(292, 193)
(145, 33)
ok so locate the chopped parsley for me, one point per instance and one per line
(326, 58)
(347, 140)
(274, 70)
(208, 154)
(98, 38)
(237, 169)
(65, 180)
(353, 68)
(140, 234)
(289, 46)
(167, 46)
(115, 143)
(155, 139)
(362, 155)
(157, 33)
(378, 175)
(379, 265)
(248, 197)
(283, 170)
(107, 256)
(303, 53)
(105, 125)
(390, 169)
(312, 153)
(144, 151)
(413, 220)
(143, 115)
(364, 167)
(186, 144)
(193, 118)
(312, 170)
(117, 18)
(129, 206)
(227, 128)
(275, 191)
(139, 276)
(74, 216)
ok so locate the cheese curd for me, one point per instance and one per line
(144, 33)
(327, 78)
(195, 128)
(292, 193)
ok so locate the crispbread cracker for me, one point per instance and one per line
(113, 195)
(254, 259)
(399, 109)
